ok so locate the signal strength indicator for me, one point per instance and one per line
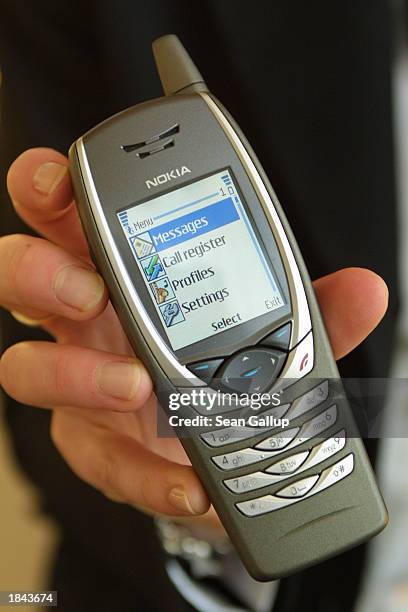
(123, 218)
(226, 179)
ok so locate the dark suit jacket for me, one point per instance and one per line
(309, 83)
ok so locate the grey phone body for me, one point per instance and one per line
(275, 536)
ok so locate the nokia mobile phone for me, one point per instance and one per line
(212, 292)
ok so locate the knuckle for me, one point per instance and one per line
(16, 245)
(59, 374)
(14, 242)
(14, 250)
(106, 474)
(116, 478)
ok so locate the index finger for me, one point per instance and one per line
(40, 189)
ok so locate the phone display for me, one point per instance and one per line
(200, 259)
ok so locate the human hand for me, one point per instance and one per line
(104, 416)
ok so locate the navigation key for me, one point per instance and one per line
(280, 338)
(253, 370)
(205, 370)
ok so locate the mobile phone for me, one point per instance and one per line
(212, 292)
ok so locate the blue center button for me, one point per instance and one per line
(252, 371)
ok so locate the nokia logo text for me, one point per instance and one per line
(167, 176)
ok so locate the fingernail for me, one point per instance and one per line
(179, 500)
(27, 320)
(118, 379)
(48, 176)
(78, 287)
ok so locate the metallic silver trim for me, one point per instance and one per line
(298, 488)
(305, 460)
(306, 433)
(302, 322)
(293, 369)
(315, 456)
(172, 368)
(239, 458)
(335, 473)
(309, 400)
(250, 482)
(268, 503)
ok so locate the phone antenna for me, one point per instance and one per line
(177, 71)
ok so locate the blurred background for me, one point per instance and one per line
(27, 538)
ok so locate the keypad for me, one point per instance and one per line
(257, 480)
(327, 449)
(249, 482)
(316, 455)
(335, 473)
(262, 505)
(278, 470)
(285, 468)
(288, 465)
(318, 424)
(230, 435)
(277, 443)
(277, 413)
(269, 503)
(310, 429)
(299, 488)
(237, 459)
(310, 400)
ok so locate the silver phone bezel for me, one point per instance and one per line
(301, 321)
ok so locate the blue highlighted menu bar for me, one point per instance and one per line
(194, 224)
